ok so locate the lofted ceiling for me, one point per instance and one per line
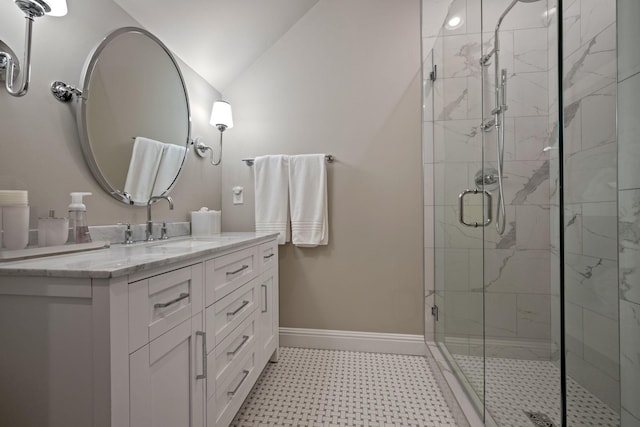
(218, 38)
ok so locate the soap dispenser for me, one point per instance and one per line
(78, 219)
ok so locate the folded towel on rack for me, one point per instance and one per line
(308, 194)
(170, 164)
(143, 168)
(271, 176)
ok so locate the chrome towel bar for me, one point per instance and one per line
(328, 157)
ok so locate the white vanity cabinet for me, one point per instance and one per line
(177, 343)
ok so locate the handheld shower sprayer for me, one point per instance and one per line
(499, 110)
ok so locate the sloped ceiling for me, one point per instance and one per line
(218, 38)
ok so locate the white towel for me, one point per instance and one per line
(143, 168)
(308, 194)
(169, 167)
(271, 177)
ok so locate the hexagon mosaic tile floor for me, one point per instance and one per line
(515, 386)
(341, 388)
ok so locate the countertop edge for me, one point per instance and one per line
(13, 269)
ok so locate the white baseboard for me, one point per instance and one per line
(353, 341)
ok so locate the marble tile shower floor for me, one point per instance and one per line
(514, 386)
(310, 387)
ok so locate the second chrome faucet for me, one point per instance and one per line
(149, 230)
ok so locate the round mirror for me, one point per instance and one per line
(134, 117)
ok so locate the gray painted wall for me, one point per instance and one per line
(344, 80)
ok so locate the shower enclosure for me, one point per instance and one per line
(525, 308)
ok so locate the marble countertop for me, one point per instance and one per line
(120, 260)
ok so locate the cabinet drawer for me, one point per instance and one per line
(227, 354)
(268, 255)
(226, 273)
(231, 392)
(159, 303)
(228, 313)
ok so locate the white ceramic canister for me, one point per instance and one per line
(15, 227)
(52, 231)
(205, 222)
(15, 219)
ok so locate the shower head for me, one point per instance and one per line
(508, 9)
(33, 8)
(486, 58)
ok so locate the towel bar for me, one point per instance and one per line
(328, 157)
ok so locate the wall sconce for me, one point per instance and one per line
(221, 118)
(9, 66)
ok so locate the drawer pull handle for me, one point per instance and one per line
(244, 377)
(266, 308)
(204, 355)
(268, 256)
(231, 273)
(245, 338)
(173, 301)
(237, 310)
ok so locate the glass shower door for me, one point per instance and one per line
(494, 248)
(510, 298)
(453, 107)
(521, 341)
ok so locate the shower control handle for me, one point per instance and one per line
(461, 197)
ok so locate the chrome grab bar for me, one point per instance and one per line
(173, 301)
(237, 310)
(244, 267)
(235, 390)
(204, 355)
(245, 338)
(461, 196)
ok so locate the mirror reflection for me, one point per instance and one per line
(134, 116)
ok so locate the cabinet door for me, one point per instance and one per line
(268, 321)
(165, 390)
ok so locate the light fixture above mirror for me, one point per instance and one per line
(9, 65)
(221, 118)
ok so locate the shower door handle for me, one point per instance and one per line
(461, 197)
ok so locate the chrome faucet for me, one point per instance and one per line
(149, 230)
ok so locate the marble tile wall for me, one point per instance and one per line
(516, 264)
(628, 14)
(590, 194)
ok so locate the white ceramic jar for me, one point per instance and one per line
(15, 219)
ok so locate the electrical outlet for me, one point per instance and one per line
(238, 195)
